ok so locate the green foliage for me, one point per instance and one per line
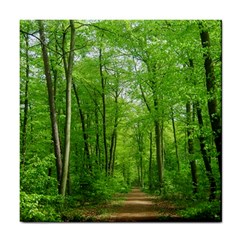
(98, 189)
(40, 208)
(206, 211)
(35, 176)
(177, 184)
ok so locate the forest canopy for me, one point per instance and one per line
(110, 104)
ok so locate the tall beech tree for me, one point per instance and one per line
(53, 115)
(175, 139)
(25, 118)
(205, 154)
(214, 114)
(68, 110)
(192, 160)
(203, 141)
(103, 94)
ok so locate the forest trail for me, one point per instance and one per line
(138, 207)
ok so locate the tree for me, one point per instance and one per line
(175, 139)
(205, 154)
(211, 89)
(68, 110)
(103, 84)
(53, 116)
(190, 118)
(25, 118)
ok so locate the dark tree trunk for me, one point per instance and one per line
(112, 151)
(25, 118)
(150, 162)
(114, 136)
(158, 129)
(55, 133)
(103, 112)
(114, 154)
(159, 143)
(97, 146)
(191, 149)
(205, 155)
(140, 154)
(85, 136)
(175, 141)
(211, 89)
(158, 153)
(202, 141)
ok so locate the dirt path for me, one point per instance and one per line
(138, 207)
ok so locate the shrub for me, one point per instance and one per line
(206, 211)
(40, 208)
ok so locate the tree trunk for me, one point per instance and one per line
(191, 149)
(150, 162)
(158, 153)
(97, 146)
(158, 134)
(140, 154)
(205, 155)
(114, 153)
(114, 136)
(25, 118)
(103, 112)
(85, 136)
(55, 133)
(175, 141)
(211, 89)
(202, 141)
(68, 110)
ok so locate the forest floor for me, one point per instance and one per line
(137, 206)
(141, 207)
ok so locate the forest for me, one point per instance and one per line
(110, 108)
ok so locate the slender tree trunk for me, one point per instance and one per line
(69, 185)
(158, 129)
(158, 153)
(140, 153)
(202, 141)
(68, 110)
(103, 112)
(162, 148)
(150, 161)
(97, 146)
(175, 141)
(25, 118)
(114, 153)
(191, 149)
(158, 134)
(54, 70)
(85, 136)
(205, 155)
(141, 170)
(211, 89)
(114, 136)
(55, 133)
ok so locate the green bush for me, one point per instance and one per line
(206, 211)
(34, 177)
(97, 189)
(40, 208)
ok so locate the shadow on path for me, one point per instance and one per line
(138, 207)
